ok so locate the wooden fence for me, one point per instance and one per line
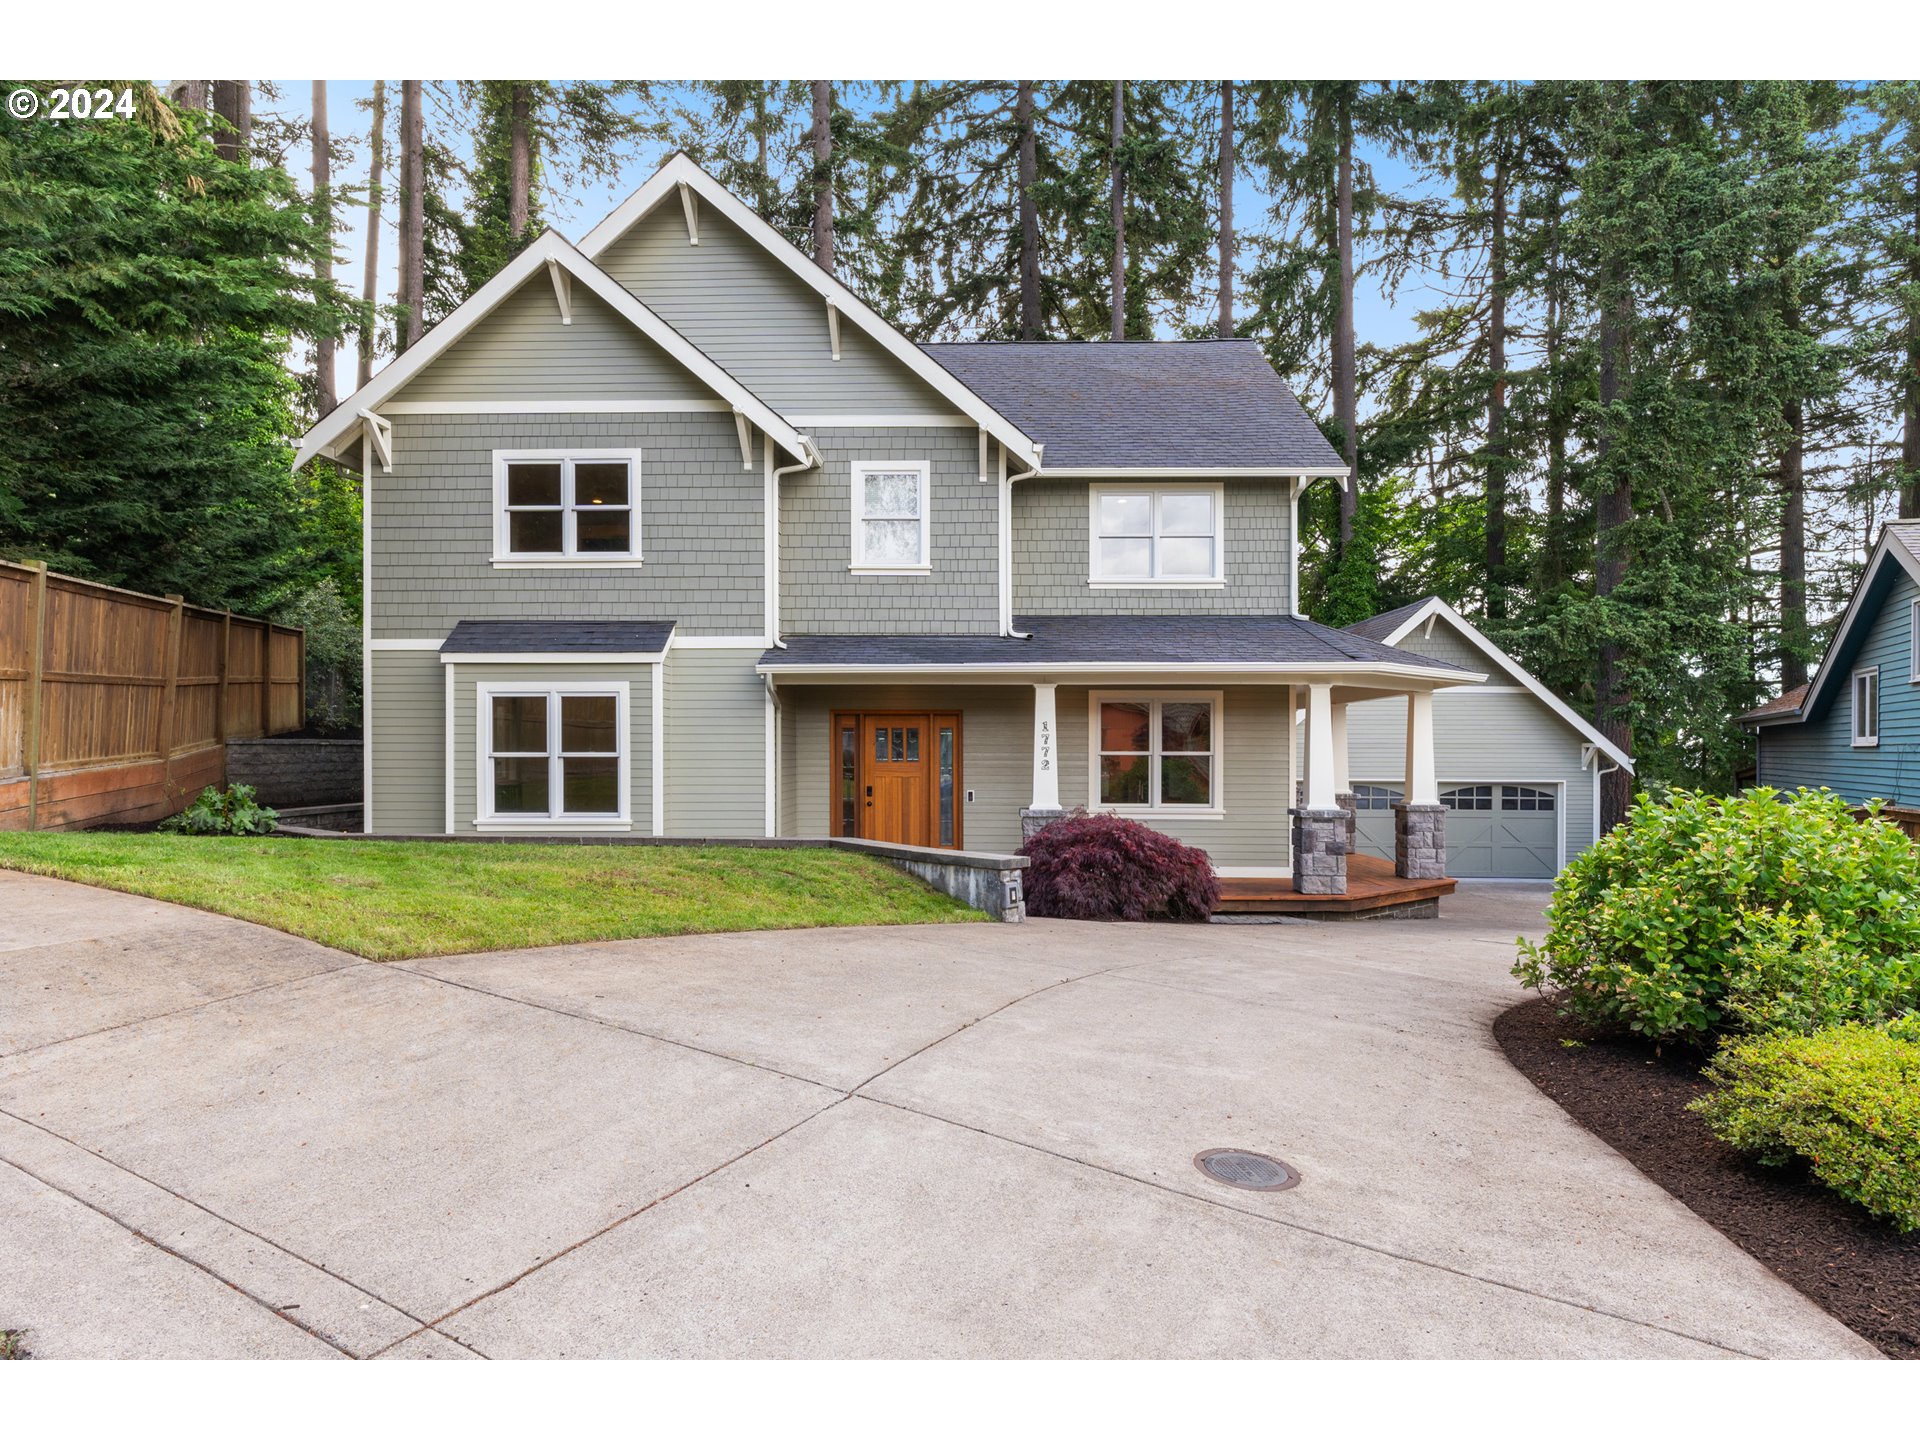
(116, 706)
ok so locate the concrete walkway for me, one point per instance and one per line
(930, 1141)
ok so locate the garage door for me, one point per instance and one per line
(1509, 832)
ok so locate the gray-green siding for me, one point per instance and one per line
(1052, 557)
(467, 679)
(702, 528)
(716, 743)
(523, 352)
(820, 595)
(1443, 642)
(407, 735)
(756, 318)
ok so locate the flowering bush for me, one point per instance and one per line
(1105, 867)
(1706, 913)
(1846, 1100)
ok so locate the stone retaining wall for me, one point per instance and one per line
(292, 772)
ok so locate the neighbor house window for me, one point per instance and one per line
(1146, 535)
(580, 506)
(552, 754)
(890, 516)
(1157, 752)
(1866, 707)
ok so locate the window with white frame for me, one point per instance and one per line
(890, 530)
(553, 753)
(1866, 707)
(1913, 642)
(557, 506)
(1156, 535)
(1157, 752)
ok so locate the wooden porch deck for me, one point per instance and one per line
(1371, 885)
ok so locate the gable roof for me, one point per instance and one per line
(681, 172)
(1896, 552)
(1087, 642)
(1398, 624)
(549, 248)
(1143, 405)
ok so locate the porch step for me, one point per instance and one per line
(1371, 886)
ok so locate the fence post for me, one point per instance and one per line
(266, 678)
(301, 662)
(169, 698)
(226, 654)
(36, 670)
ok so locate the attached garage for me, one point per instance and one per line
(1519, 770)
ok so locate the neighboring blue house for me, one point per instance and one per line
(1855, 727)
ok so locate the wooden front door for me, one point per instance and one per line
(896, 778)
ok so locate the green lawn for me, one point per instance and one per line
(393, 900)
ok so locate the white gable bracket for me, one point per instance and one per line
(833, 328)
(690, 203)
(381, 430)
(562, 290)
(745, 431)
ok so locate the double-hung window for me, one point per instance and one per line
(890, 530)
(1866, 708)
(1913, 642)
(1156, 535)
(567, 507)
(1157, 752)
(553, 753)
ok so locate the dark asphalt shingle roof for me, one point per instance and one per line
(1379, 627)
(1188, 640)
(1172, 403)
(558, 637)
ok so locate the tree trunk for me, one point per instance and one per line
(1029, 214)
(188, 94)
(413, 216)
(1794, 636)
(520, 162)
(823, 174)
(1910, 418)
(1118, 202)
(1345, 399)
(1612, 511)
(233, 103)
(763, 181)
(323, 345)
(1553, 567)
(1226, 210)
(370, 276)
(1496, 522)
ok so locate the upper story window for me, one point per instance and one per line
(890, 534)
(1164, 535)
(556, 507)
(1866, 707)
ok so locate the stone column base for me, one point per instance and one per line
(1344, 799)
(1033, 821)
(1320, 851)
(1420, 841)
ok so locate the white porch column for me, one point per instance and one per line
(1422, 786)
(1342, 782)
(1320, 747)
(1046, 750)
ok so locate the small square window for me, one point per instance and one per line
(556, 508)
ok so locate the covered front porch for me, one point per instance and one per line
(1228, 734)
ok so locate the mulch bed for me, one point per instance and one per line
(1860, 1270)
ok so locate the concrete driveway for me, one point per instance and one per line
(931, 1141)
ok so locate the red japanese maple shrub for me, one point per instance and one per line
(1105, 867)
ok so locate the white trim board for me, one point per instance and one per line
(887, 422)
(1175, 674)
(555, 407)
(548, 246)
(1434, 605)
(681, 171)
(554, 657)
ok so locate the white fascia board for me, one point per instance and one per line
(1191, 472)
(680, 170)
(1889, 546)
(1334, 674)
(1436, 606)
(556, 657)
(550, 245)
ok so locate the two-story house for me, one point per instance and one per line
(668, 533)
(1855, 726)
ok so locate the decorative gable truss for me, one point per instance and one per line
(336, 435)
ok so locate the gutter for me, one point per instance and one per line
(1006, 536)
(809, 461)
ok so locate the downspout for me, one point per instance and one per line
(809, 461)
(1006, 535)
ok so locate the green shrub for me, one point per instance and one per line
(1704, 913)
(234, 813)
(1846, 1100)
